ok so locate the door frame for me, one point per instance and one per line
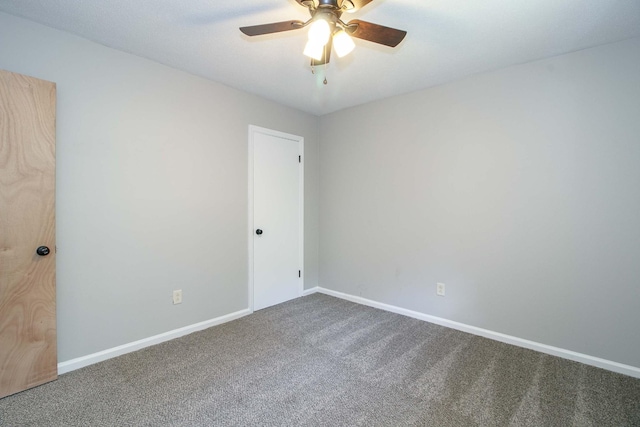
(251, 226)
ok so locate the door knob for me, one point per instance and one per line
(258, 232)
(43, 251)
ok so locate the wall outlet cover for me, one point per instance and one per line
(440, 287)
(177, 296)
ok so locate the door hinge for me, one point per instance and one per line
(299, 273)
(299, 159)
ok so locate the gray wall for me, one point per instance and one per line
(151, 188)
(519, 189)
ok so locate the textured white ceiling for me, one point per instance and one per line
(446, 40)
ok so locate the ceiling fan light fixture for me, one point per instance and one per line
(319, 32)
(343, 43)
(314, 50)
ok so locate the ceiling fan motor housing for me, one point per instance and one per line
(328, 3)
(328, 10)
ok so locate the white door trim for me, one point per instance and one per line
(251, 227)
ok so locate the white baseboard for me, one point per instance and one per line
(81, 362)
(310, 291)
(497, 336)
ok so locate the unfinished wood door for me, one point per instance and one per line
(28, 354)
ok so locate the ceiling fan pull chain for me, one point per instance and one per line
(325, 65)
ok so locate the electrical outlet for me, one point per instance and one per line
(440, 289)
(177, 296)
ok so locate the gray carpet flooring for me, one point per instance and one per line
(322, 361)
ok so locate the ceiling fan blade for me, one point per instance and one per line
(354, 5)
(276, 27)
(375, 33)
(326, 55)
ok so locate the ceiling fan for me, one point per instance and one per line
(328, 31)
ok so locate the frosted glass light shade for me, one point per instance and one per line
(314, 50)
(343, 43)
(319, 32)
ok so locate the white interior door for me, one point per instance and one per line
(276, 219)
